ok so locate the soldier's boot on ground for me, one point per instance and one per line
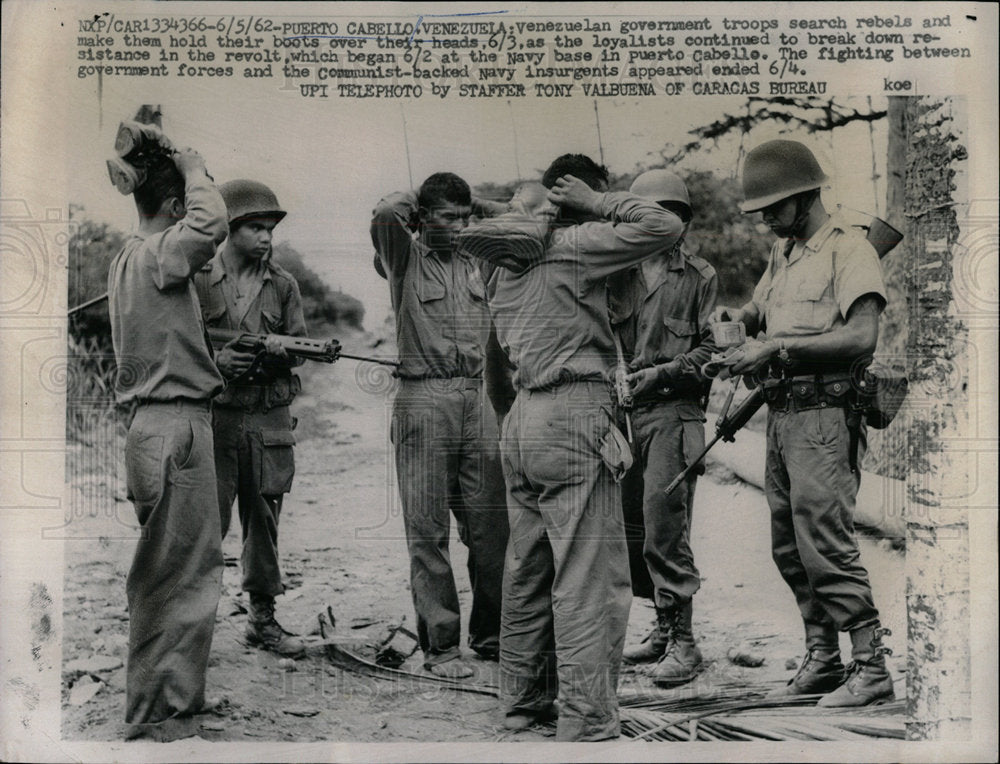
(868, 681)
(681, 659)
(821, 671)
(651, 649)
(263, 630)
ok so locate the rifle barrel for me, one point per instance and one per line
(381, 361)
(87, 304)
(687, 470)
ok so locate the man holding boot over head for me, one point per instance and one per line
(165, 369)
(819, 301)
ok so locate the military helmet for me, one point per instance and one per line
(250, 199)
(662, 186)
(776, 170)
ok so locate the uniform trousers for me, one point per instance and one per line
(811, 492)
(566, 581)
(254, 465)
(174, 583)
(669, 436)
(448, 461)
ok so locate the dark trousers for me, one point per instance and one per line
(448, 461)
(668, 437)
(566, 582)
(254, 466)
(811, 492)
(176, 575)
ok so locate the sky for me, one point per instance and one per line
(329, 161)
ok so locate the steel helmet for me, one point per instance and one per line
(776, 170)
(250, 199)
(662, 186)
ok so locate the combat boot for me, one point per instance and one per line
(264, 630)
(821, 671)
(651, 649)
(681, 659)
(868, 681)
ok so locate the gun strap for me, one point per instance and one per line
(618, 344)
(853, 415)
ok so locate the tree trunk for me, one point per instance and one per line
(937, 522)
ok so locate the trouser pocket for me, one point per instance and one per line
(277, 462)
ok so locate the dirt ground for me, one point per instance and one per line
(343, 548)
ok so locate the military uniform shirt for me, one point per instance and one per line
(812, 290)
(442, 321)
(273, 305)
(156, 324)
(552, 318)
(675, 297)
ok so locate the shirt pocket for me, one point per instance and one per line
(678, 336)
(808, 312)
(429, 290)
(270, 322)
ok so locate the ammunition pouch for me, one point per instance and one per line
(261, 398)
(805, 393)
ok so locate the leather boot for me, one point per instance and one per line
(264, 630)
(821, 671)
(651, 648)
(868, 681)
(681, 659)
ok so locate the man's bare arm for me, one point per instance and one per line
(855, 339)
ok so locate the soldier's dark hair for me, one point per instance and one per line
(580, 166)
(443, 187)
(163, 181)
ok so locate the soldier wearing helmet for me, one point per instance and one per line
(242, 289)
(664, 307)
(813, 320)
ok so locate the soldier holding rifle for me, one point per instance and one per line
(166, 368)
(819, 301)
(672, 298)
(242, 289)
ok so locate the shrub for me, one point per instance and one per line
(319, 303)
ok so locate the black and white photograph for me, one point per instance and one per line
(391, 382)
